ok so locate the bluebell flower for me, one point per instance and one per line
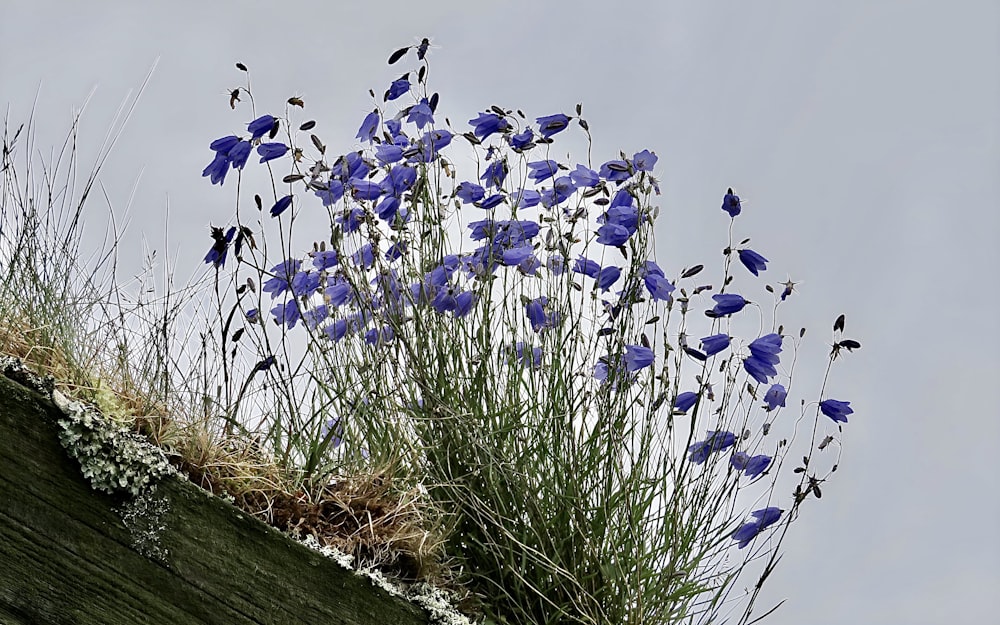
(387, 208)
(304, 283)
(536, 313)
(763, 356)
(658, 286)
(465, 303)
(523, 140)
(583, 176)
(715, 441)
(613, 235)
(444, 300)
(525, 198)
(339, 292)
(542, 170)
(469, 192)
(562, 189)
(271, 151)
(224, 144)
(750, 466)
(638, 357)
(487, 124)
(727, 304)
(365, 189)
(775, 396)
(395, 251)
(239, 154)
(336, 330)
(332, 193)
(261, 126)
(607, 277)
(495, 173)
(388, 153)
(281, 205)
(286, 314)
(521, 355)
(552, 124)
(615, 171)
(644, 161)
(364, 257)
(217, 169)
(516, 255)
(397, 88)
(315, 316)
(336, 428)
(432, 143)
(220, 246)
(253, 315)
(283, 273)
(325, 259)
(836, 410)
(731, 203)
(685, 401)
(491, 202)
(789, 286)
(421, 114)
(587, 267)
(753, 261)
(715, 343)
(763, 518)
(368, 127)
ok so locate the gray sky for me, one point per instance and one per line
(863, 137)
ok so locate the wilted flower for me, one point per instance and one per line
(220, 246)
(836, 410)
(748, 531)
(753, 261)
(775, 397)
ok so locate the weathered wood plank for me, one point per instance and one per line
(67, 558)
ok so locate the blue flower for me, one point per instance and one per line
(283, 273)
(220, 246)
(469, 192)
(727, 304)
(271, 151)
(587, 267)
(607, 277)
(748, 531)
(522, 141)
(521, 355)
(365, 189)
(397, 88)
(716, 441)
(542, 170)
(562, 189)
(387, 153)
(753, 261)
(495, 173)
(395, 251)
(526, 198)
(615, 171)
(658, 286)
(387, 208)
(217, 169)
(516, 255)
(492, 201)
(715, 343)
(332, 193)
(775, 397)
(224, 144)
(731, 203)
(536, 313)
(287, 314)
(836, 410)
(239, 154)
(261, 126)
(487, 124)
(644, 161)
(763, 356)
(750, 466)
(552, 124)
(281, 205)
(638, 357)
(685, 401)
(325, 259)
(583, 176)
(399, 179)
(421, 114)
(465, 302)
(368, 127)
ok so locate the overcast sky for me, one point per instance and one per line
(863, 136)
